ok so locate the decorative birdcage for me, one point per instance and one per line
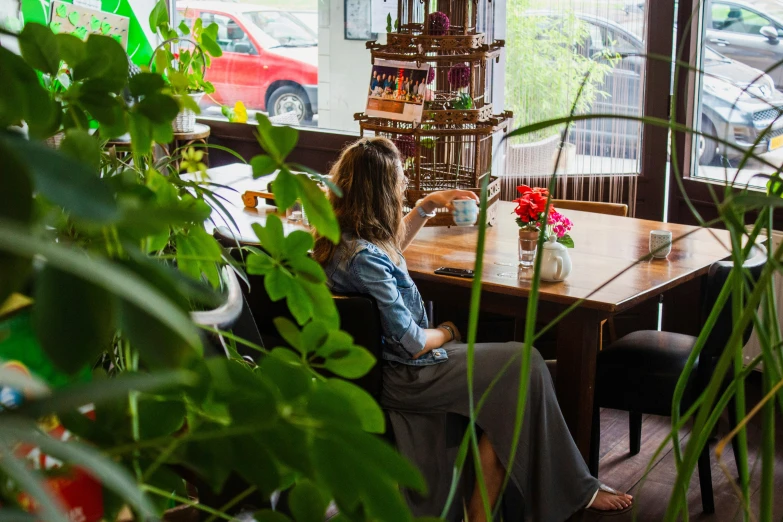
(442, 156)
(414, 17)
(450, 144)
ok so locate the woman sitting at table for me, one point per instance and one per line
(425, 369)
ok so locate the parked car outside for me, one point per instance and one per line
(270, 58)
(738, 102)
(744, 33)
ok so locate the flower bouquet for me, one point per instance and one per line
(530, 215)
(531, 205)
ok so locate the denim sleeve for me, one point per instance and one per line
(375, 276)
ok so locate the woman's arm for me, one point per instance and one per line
(437, 337)
(412, 223)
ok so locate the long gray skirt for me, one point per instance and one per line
(548, 470)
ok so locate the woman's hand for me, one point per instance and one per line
(443, 198)
(437, 337)
(452, 329)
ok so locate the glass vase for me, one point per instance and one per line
(528, 242)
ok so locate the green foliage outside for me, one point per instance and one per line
(546, 66)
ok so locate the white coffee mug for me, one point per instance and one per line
(660, 243)
(465, 212)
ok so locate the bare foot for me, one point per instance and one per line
(605, 501)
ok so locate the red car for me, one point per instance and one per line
(270, 58)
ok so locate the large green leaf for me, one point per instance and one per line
(16, 204)
(72, 49)
(73, 318)
(345, 358)
(118, 280)
(104, 58)
(198, 253)
(209, 45)
(158, 16)
(140, 129)
(307, 503)
(283, 369)
(158, 108)
(23, 98)
(74, 396)
(79, 145)
(277, 141)
(263, 165)
(285, 188)
(64, 181)
(255, 464)
(39, 48)
(159, 416)
(318, 209)
(362, 403)
(145, 83)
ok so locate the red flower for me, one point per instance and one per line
(531, 203)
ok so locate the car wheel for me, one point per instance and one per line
(290, 99)
(708, 148)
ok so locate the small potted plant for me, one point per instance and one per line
(183, 58)
(530, 208)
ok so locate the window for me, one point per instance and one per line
(555, 50)
(729, 17)
(739, 104)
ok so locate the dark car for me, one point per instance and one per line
(738, 102)
(742, 32)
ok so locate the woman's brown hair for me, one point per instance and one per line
(371, 205)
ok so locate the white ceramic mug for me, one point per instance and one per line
(660, 243)
(465, 212)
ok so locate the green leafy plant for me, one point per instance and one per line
(546, 55)
(186, 52)
(122, 258)
(85, 83)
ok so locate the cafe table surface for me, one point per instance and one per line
(607, 277)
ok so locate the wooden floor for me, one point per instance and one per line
(624, 472)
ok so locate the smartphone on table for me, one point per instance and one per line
(455, 272)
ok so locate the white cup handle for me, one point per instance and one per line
(559, 268)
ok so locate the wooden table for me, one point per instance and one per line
(605, 246)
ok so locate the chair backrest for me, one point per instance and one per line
(716, 279)
(359, 317)
(598, 207)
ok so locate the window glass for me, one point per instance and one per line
(231, 37)
(727, 17)
(563, 57)
(740, 102)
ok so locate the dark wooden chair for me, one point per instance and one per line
(639, 372)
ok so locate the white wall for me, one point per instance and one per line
(343, 70)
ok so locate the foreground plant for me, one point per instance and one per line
(121, 259)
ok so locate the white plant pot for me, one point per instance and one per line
(186, 119)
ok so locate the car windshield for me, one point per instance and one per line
(281, 27)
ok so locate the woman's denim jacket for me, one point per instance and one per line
(360, 267)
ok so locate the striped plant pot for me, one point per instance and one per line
(186, 119)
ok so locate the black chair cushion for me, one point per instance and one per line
(639, 372)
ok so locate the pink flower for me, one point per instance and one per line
(559, 230)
